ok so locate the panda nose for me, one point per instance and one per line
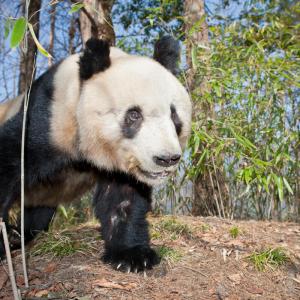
(167, 160)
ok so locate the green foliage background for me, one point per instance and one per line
(252, 83)
(252, 72)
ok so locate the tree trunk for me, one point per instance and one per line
(52, 33)
(72, 31)
(27, 59)
(95, 20)
(210, 191)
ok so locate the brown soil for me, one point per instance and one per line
(213, 265)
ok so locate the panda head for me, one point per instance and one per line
(133, 115)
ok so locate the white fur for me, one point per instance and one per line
(92, 121)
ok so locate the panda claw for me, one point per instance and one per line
(136, 270)
(128, 270)
(145, 274)
(145, 264)
(119, 266)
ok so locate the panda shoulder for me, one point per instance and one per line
(116, 53)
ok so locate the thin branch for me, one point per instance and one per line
(9, 261)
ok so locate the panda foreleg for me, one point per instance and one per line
(36, 219)
(9, 194)
(122, 207)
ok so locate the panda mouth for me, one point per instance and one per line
(155, 175)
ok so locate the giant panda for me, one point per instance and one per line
(102, 120)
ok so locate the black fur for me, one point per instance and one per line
(36, 219)
(42, 161)
(167, 53)
(176, 120)
(94, 59)
(131, 127)
(121, 204)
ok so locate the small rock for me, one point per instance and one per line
(221, 292)
(236, 278)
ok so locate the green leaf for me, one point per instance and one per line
(75, 7)
(265, 184)
(18, 32)
(279, 184)
(7, 27)
(248, 175)
(218, 90)
(39, 46)
(287, 185)
(63, 211)
(197, 144)
(202, 157)
(197, 25)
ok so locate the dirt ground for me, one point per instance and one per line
(203, 258)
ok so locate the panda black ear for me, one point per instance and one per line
(95, 58)
(167, 53)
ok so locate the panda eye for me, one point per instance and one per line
(132, 116)
(175, 118)
(132, 122)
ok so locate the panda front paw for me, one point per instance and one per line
(135, 259)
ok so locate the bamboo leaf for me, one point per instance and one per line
(287, 185)
(279, 184)
(63, 211)
(75, 7)
(39, 46)
(197, 144)
(18, 32)
(196, 26)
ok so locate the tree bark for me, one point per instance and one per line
(95, 20)
(72, 31)
(28, 59)
(52, 33)
(210, 190)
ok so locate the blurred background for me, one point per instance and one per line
(240, 63)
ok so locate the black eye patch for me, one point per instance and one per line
(132, 122)
(175, 118)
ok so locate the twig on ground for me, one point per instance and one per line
(9, 261)
(196, 271)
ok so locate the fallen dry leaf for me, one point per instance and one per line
(20, 280)
(113, 285)
(3, 277)
(36, 281)
(255, 290)
(41, 293)
(57, 287)
(50, 268)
